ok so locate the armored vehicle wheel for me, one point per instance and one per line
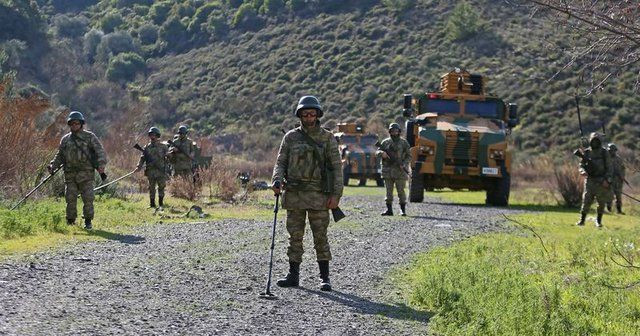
(345, 174)
(498, 194)
(416, 188)
(362, 182)
(379, 181)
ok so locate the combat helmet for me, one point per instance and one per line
(183, 129)
(394, 126)
(309, 102)
(593, 137)
(75, 115)
(154, 130)
(612, 147)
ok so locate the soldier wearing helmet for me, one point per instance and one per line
(155, 157)
(596, 166)
(306, 191)
(618, 177)
(80, 153)
(396, 157)
(182, 153)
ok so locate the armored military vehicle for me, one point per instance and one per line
(358, 153)
(458, 138)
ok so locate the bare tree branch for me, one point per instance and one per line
(530, 229)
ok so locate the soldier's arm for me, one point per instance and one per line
(101, 155)
(141, 161)
(282, 160)
(622, 168)
(406, 154)
(58, 160)
(336, 163)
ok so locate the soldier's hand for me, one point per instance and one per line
(605, 184)
(276, 190)
(385, 155)
(138, 169)
(332, 202)
(50, 169)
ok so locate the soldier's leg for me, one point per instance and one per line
(71, 197)
(388, 183)
(603, 196)
(87, 186)
(319, 222)
(402, 196)
(295, 226)
(162, 183)
(618, 195)
(152, 191)
(587, 198)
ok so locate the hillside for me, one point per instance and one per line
(239, 67)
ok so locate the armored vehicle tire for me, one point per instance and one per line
(416, 188)
(345, 174)
(498, 195)
(362, 182)
(379, 181)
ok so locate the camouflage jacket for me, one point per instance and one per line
(157, 154)
(400, 147)
(297, 167)
(80, 152)
(618, 168)
(184, 155)
(597, 164)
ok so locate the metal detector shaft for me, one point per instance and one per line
(631, 197)
(36, 188)
(114, 181)
(273, 242)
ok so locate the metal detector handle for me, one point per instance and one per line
(36, 188)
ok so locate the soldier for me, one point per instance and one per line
(597, 168)
(80, 152)
(309, 190)
(394, 151)
(618, 177)
(155, 156)
(182, 153)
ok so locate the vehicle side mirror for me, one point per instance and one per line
(513, 115)
(407, 110)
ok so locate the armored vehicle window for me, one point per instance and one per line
(368, 140)
(440, 106)
(348, 139)
(484, 109)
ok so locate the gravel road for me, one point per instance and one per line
(205, 278)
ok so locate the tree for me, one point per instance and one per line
(111, 21)
(607, 31)
(399, 5)
(160, 11)
(272, 7)
(91, 41)
(174, 33)
(124, 67)
(70, 26)
(246, 17)
(148, 33)
(114, 44)
(464, 22)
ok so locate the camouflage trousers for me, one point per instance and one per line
(616, 190)
(79, 183)
(319, 222)
(593, 189)
(400, 185)
(154, 181)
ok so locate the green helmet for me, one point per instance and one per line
(395, 126)
(594, 136)
(309, 102)
(183, 129)
(75, 115)
(612, 147)
(154, 130)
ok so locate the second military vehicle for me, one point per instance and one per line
(358, 153)
(458, 138)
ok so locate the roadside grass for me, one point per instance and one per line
(41, 224)
(569, 281)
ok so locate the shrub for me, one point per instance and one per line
(70, 26)
(160, 11)
(272, 7)
(111, 21)
(246, 17)
(124, 67)
(148, 33)
(91, 41)
(464, 22)
(399, 5)
(296, 5)
(174, 33)
(114, 44)
(569, 184)
(131, 3)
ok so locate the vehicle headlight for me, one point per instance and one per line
(496, 154)
(426, 150)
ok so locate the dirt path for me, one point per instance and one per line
(204, 278)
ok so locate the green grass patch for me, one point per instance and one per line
(42, 223)
(570, 281)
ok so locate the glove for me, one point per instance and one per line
(50, 169)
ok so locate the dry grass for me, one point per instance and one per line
(560, 181)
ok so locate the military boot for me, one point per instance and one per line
(609, 207)
(583, 216)
(293, 277)
(152, 202)
(599, 220)
(71, 221)
(403, 209)
(87, 224)
(325, 284)
(161, 201)
(619, 208)
(389, 211)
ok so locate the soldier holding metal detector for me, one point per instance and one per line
(80, 152)
(182, 153)
(154, 155)
(618, 177)
(396, 157)
(308, 172)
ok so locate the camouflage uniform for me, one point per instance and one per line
(297, 167)
(392, 173)
(618, 177)
(597, 166)
(182, 160)
(74, 153)
(156, 169)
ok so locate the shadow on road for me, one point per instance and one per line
(364, 306)
(125, 239)
(524, 207)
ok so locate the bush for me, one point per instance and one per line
(111, 21)
(246, 17)
(70, 26)
(174, 33)
(132, 3)
(160, 11)
(124, 67)
(296, 5)
(570, 185)
(114, 44)
(272, 7)
(399, 5)
(464, 22)
(91, 41)
(148, 33)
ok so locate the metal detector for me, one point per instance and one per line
(267, 293)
